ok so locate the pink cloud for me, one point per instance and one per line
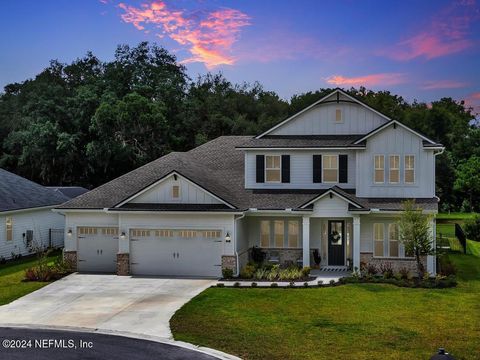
(443, 84)
(473, 101)
(208, 39)
(446, 33)
(367, 80)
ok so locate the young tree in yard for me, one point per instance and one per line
(468, 180)
(415, 234)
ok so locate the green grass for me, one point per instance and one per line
(473, 247)
(358, 321)
(455, 216)
(11, 275)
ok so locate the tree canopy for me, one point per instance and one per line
(89, 121)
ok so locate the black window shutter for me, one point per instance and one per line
(343, 168)
(317, 168)
(285, 168)
(260, 168)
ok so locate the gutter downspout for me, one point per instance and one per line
(236, 252)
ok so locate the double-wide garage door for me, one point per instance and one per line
(97, 249)
(176, 252)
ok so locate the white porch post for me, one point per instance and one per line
(306, 240)
(356, 242)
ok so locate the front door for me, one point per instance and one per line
(336, 242)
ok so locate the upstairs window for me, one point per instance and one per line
(379, 175)
(330, 168)
(272, 168)
(9, 228)
(409, 169)
(378, 237)
(394, 170)
(176, 192)
(338, 116)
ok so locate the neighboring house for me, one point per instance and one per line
(329, 180)
(70, 192)
(26, 217)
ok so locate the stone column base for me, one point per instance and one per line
(229, 262)
(123, 264)
(70, 257)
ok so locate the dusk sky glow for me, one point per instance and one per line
(421, 50)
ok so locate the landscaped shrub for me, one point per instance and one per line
(472, 228)
(306, 271)
(254, 284)
(248, 271)
(404, 273)
(273, 285)
(273, 274)
(446, 267)
(236, 284)
(428, 282)
(261, 273)
(227, 273)
(220, 285)
(332, 282)
(387, 270)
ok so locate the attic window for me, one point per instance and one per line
(338, 116)
(175, 192)
(9, 228)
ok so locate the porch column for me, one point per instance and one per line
(356, 242)
(306, 241)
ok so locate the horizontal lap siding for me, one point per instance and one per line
(301, 170)
(40, 221)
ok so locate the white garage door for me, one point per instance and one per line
(97, 249)
(176, 252)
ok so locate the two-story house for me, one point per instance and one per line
(323, 187)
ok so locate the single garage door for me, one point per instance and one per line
(176, 252)
(97, 249)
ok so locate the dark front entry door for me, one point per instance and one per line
(336, 242)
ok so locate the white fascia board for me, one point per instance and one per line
(110, 211)
(318, 102)
(386, 125)
(330, 191)
(27, 209)
(173, 173)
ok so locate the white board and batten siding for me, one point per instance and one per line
(39, 221)
(301, 169)
(321, 120)
(396, 141)
(162, 193)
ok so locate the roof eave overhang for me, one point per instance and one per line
(4, 212)
(263, 148)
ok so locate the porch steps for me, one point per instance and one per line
(333, 269)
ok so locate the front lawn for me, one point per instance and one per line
(358, 321)
(11, 275)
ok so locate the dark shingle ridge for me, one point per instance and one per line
(17, 193)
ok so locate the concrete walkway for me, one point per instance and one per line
(106, 302)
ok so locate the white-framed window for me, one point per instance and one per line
(265, 234)
(330, 168)
(379, 169)
(175, 192)
(393, 248)
(279, 233)
(394, 169)
(338, 116)
(273, 165)
(293, 234)
(409, 175)
(378, 239)
(9, 228)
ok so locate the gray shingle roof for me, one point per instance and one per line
(18, 193)
(316, 141)
(69, 191)
(217, 166)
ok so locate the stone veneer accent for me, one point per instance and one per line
(286, 256)
(397, 263)
(123, 264)
(70, 256)
(229, 262)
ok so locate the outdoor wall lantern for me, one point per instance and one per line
(69, 232)
(227, 237)
(122, 235)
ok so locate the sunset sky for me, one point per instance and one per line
(418, 49)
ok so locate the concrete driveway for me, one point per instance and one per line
(106, 302)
